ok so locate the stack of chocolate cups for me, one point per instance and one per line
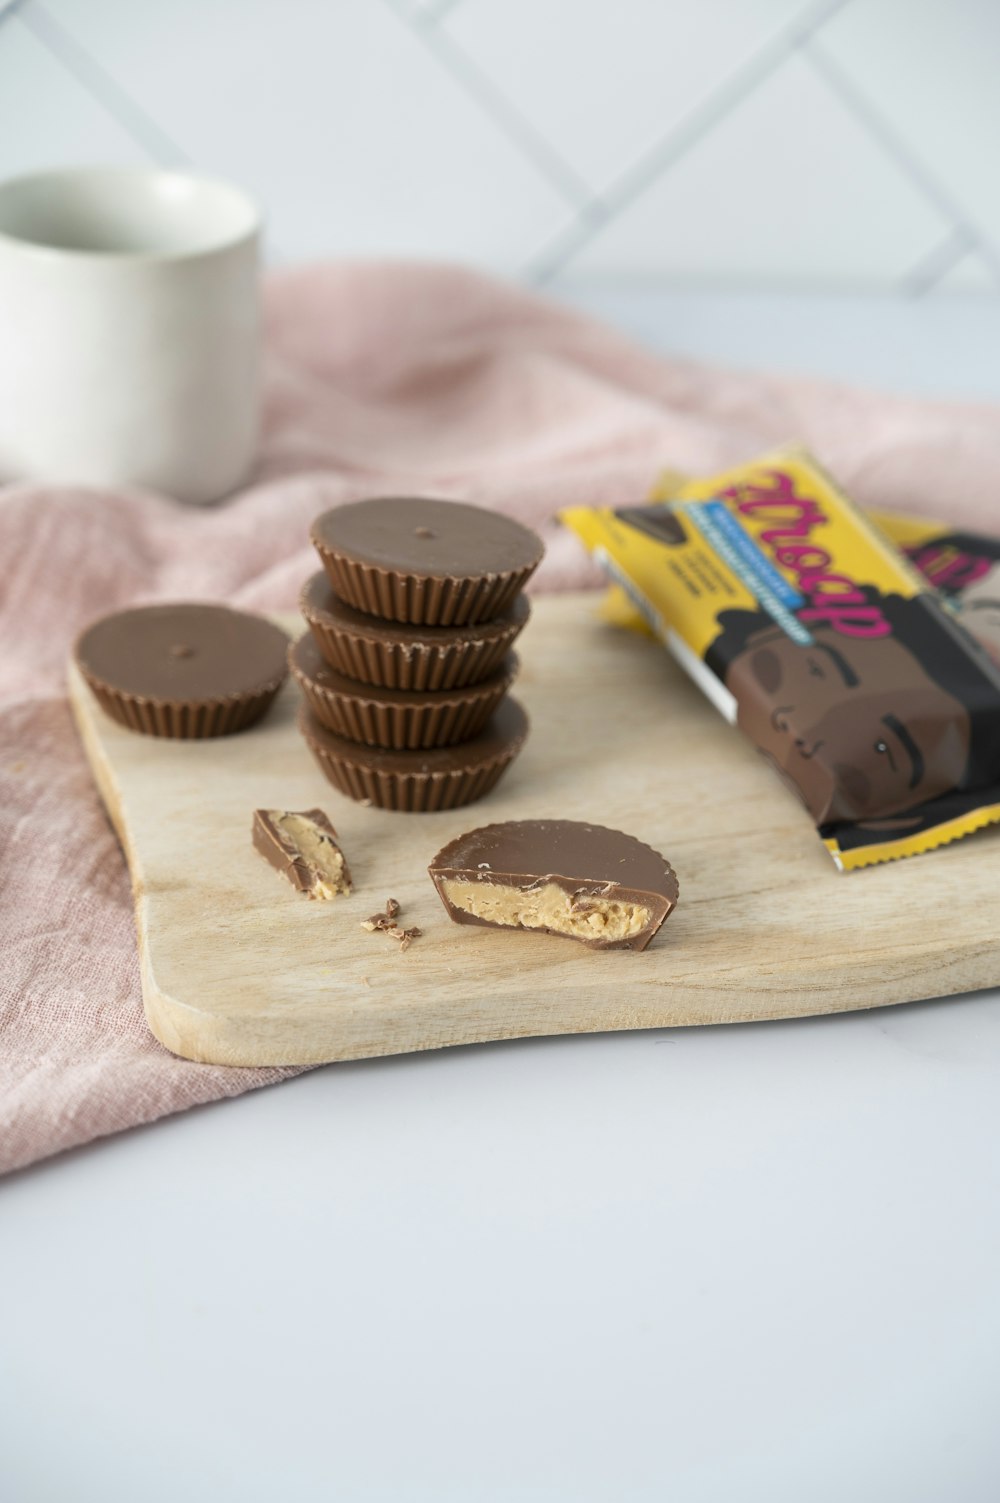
(407, 664)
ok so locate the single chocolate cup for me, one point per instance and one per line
(185, 671)
(419, 782)
(397, 719)
(586, 882)
(392, 656)
(431, 563)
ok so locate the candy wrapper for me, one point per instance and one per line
(824, 644)
(963, 566)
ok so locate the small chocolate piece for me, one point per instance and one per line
(438, 563)
(383, 920)
(186, 671)
(385, 923)
(559, 876)
(418, 782)
(395, 718)
(303, 847)
(391, 656)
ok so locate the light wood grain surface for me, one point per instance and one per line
(238, 968)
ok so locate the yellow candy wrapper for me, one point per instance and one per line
(964, 567)
(824, 643)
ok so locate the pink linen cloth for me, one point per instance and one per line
(378, 379)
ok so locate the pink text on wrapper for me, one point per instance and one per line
(947, 567)
(788, 520)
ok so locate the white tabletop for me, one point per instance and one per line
(704, 1266)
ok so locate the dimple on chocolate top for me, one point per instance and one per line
(183, 653)
(568, 852)
(320, 603)
(420, 536)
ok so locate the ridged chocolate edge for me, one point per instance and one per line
(421, 600)
(412, 793)
(400, 727)
(183, 721)
(414, 667)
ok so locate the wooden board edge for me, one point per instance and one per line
(166, 1016)
(219, 1042)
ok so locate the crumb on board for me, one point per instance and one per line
(385, 923)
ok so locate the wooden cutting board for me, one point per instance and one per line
(237, 968)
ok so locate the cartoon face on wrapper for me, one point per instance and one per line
(856, 725)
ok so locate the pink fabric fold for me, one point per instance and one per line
(379, 378)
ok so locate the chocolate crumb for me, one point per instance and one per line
(384, 923)
(405, 936)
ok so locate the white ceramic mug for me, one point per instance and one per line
(128, 330)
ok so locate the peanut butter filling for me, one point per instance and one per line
(548, 907)
(319, 853)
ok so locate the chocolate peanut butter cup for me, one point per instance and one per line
(559, 876)
(396, 719)
(302, 845)
(394, 656)
(418, 782)
(427, 562)
(186, 671)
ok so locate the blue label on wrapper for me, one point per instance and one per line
(724, 534)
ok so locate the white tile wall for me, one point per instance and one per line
(46, 115)
(930, 68)
(605, 83)
(970, 274)
(798, 194)
(776, 143)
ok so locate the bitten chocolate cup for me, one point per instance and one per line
(585, 882)
(395, 718)
(393, 656)
(419, 782)
(184, 671)
(427, 562)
